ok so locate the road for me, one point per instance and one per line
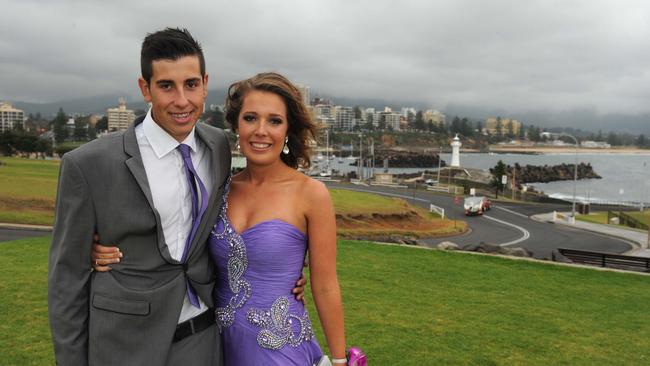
(506, 224)
(7, 234)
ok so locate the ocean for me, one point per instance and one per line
(625, 177)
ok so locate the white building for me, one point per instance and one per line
(371, 115)
(595, 145)
(10, 117)
(405, 111)
(391, 119)
(344, 118)
(305, 91)
(120, 118)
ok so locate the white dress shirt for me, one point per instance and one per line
(170, 190)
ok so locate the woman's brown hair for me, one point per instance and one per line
(301, 128)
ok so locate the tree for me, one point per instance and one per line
(58, 126)
(382, 122)
(499, 128)
(511, 130)
(357, 112)
(498, 171)
(81, 128)
(215, 118)
(369, 120)
(641, 141)
(410, 120)
(613, 139)
(102, 124)
(465, 128)
(419, 121)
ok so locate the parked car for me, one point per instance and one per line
(476, 205)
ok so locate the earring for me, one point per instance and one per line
(285, 149)
(237, 143)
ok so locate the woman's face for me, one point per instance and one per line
(262, 127)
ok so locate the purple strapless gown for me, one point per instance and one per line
(262, 323)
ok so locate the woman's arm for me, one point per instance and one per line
(321, 230)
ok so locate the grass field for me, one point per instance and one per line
(416, 307)
(600, 217)
(366, 215)
(349, 202)
(27, 190)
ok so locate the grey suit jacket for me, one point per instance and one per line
(126, 316)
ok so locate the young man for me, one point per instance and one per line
(157, 200)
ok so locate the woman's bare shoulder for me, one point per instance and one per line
(313, 190)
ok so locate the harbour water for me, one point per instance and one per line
(625, 177)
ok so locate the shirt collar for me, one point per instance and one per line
(161, 142)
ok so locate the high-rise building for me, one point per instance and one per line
(10, 117)
(344, 118)
(305, 92)
(390, 118)
(119, 118)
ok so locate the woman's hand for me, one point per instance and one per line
(101, 256)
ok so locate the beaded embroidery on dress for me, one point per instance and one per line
(262, 323)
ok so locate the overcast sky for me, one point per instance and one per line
(515, 55)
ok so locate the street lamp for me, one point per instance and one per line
(360, 157)
(575, 175)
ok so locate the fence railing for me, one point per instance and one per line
(626, 220)
(437, 209)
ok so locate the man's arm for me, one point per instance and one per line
(69, 266)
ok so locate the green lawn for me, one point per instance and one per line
(351, 202)
(600, 217)
(416, 307)
(28, 190)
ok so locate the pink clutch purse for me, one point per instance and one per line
(356, 357)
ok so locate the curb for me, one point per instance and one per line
(635, 244)
(12, 226)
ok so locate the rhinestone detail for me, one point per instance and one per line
(277, 325)
(237, 265)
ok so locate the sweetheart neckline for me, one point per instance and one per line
(241, 233)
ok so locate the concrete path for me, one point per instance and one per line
(638, 237)
(9, 232)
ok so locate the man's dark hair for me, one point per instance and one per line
(168, 44)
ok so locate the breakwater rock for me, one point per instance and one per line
(546, 173)
(408, 159)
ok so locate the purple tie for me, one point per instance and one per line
(193, 180)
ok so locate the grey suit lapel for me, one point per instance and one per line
(136, 166)
(217, 178)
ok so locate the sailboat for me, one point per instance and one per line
(327, 172)
(351, 156)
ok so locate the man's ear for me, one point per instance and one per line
(144, 89)
(205, 85)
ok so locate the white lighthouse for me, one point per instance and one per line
(455, 152)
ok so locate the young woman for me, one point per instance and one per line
(271, 216)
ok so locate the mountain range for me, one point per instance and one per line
(585, 119)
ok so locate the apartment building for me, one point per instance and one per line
(120, 118)
(10, 117)
(502, 126)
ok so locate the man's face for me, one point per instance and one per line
(176, 92)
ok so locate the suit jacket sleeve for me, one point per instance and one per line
(69, 266)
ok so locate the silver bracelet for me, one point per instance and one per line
(340, 360)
